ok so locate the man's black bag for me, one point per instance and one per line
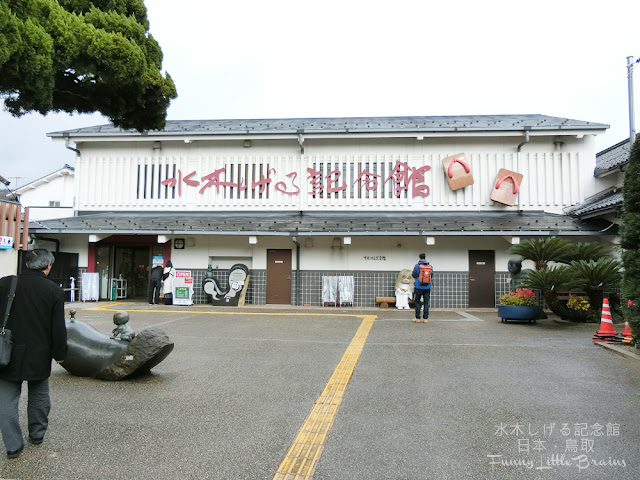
(5, 335)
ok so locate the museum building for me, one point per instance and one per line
(300, 202)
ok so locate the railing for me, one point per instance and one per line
(14, 225)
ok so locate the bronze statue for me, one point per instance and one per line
(517, 274)
(124, 331)
(95, 354)
(209, 272)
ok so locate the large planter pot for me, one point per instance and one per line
(512, 312)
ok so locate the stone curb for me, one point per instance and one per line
(618, 350)
(607, 346)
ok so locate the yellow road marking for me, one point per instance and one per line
(300, 461)
(302, 457)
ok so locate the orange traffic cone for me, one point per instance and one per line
(627, 335)
(606, 331)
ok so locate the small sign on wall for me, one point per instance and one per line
(375, 258)
(6, 243)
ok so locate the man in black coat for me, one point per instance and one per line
(155, 284)
(39, 334)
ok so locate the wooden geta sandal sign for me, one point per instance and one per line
(457, 171)
(506, 187)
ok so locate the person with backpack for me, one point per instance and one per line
(423, 273)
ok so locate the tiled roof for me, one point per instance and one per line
(321, 223)
(458, 123)
(612, 158)
(598, 204)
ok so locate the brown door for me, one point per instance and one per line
(279, 277)
(482, 288)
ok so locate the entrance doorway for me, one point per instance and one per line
(132, 264)
(65, 267)
(482, 290)
(279, 277)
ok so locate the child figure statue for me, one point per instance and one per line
(403, 294)
(124, 331)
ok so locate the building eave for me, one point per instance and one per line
(321, 224)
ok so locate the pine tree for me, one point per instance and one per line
(83, 56)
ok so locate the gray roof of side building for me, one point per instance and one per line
(417, 124)
(616, 157)
(612, 158)
(67, 168)
(604, 202)
(321, 223)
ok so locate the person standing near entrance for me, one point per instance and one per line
(167, 287)
(155, 284)
(39, 334)
(423, 273)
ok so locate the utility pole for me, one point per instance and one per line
(632, 122)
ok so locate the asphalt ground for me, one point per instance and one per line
(372, 394)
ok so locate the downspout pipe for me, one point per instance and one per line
(300, 133)
(295, 240)
(526, 140)
(66, 144)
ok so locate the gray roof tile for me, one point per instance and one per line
(458, 123)
(612, 158)
(597, 204)
(318, 223)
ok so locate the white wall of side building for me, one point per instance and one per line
(50, 197)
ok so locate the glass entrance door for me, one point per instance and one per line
(132, 264)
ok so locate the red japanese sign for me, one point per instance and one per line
(402, 178)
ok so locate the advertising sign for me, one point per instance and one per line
(183, 288)
(157, 261)
(6, 243)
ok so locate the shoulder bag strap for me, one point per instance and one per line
(12, 294)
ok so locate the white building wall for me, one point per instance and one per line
(8, 262)
(365, 253)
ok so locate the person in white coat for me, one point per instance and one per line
(167, 285)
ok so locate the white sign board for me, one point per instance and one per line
(90, 285)
(183, 288)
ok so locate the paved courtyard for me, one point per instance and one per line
(337, 393)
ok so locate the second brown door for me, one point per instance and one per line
(482, 288)
(279, 277)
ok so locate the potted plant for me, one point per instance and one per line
(519, 305)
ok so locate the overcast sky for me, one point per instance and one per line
(277, 59)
